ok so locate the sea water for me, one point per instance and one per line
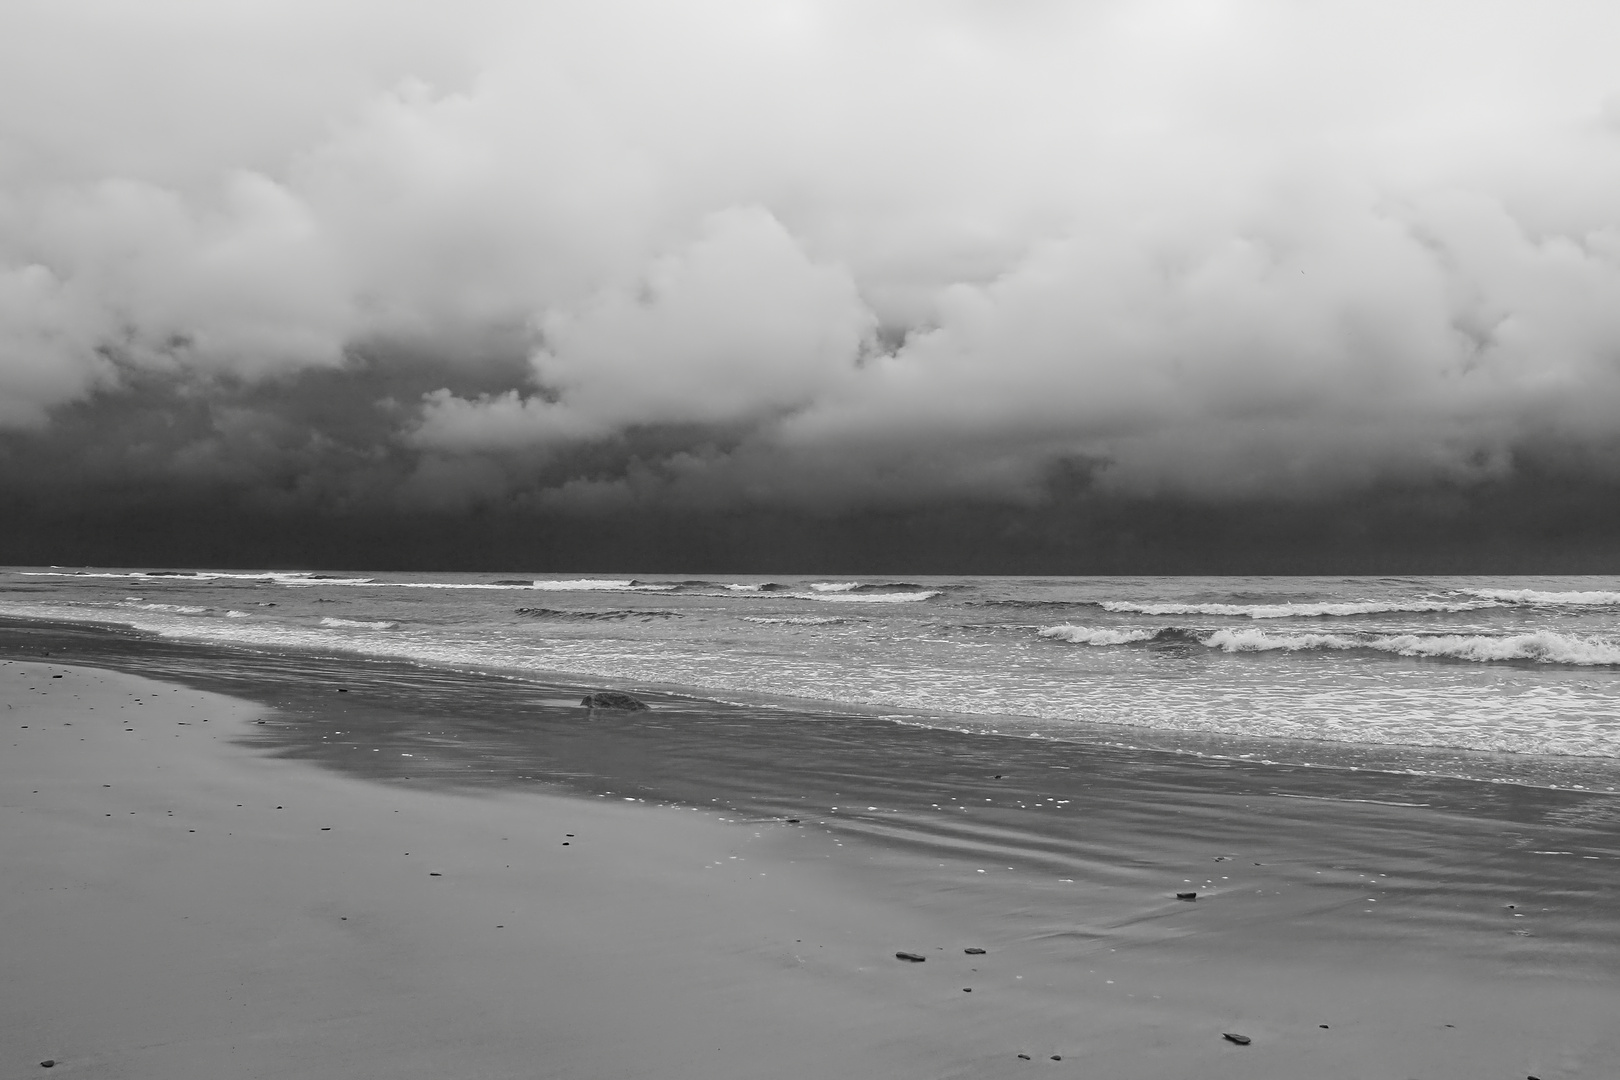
(1514, 678)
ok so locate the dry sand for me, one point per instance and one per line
(175, 904)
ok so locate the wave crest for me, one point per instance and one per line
(864, 598)
(603, 585)
(1540, 646)
(796, 620)
(1290, 610)
(1594, 598)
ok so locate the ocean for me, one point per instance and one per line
(1506, 679)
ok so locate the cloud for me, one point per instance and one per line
(828, 253)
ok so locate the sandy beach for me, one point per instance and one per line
(187, 894)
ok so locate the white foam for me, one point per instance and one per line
(601, 585)
(1292, 610)
(1088, 635)
(1537, 596)
(834, 586)
(862, 598)
(795, 620)
(359, 624)
(1541, 646)
(177, 609)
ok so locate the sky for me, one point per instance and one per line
(1021, 286)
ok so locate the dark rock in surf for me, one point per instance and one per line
(1186, 896)
(608, 699)
(915, 958)
(1241, 1040)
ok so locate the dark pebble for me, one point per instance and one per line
(1024, 1057)
(967, 989)
(1322, 1026)
(341, 690)
(48, 1063)
(1241, 1040)
(1186, 896)
(974, 952)
(792, 821)
(1057, 1057)
(915, 958)
(608, 699)
(434, 873)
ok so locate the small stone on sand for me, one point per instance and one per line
(915, 958)
(48, 1063)
(974, 952)
(1025, 1057)
(1241, 1040)
(608, 699)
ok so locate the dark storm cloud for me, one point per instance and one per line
(813, 260)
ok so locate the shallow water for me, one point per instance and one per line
(1511, 678)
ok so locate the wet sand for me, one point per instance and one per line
(200, 885)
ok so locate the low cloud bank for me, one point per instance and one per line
(721, 254)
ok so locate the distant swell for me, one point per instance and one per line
(612, 615)
(204, 576)
(1299, 610)
(1541, 647)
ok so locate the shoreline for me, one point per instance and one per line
(1588, 774)
(1323, 899)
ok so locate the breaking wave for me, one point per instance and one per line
(852, 597)
(1541, 646)
(1290, 610)
(1088, 635)
(1536, 596)
(603, 585)
(359, 624)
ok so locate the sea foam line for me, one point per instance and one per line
(1540, 646)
